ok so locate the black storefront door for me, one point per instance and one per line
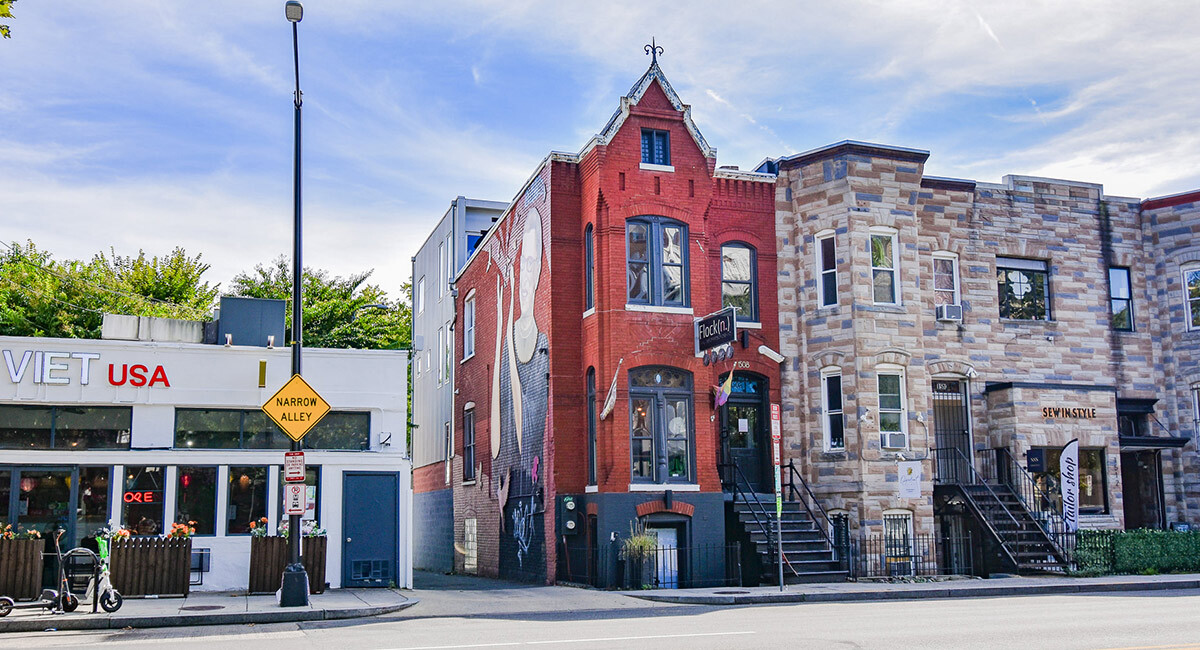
(1141, 484)
(744, 431)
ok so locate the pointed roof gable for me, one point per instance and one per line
(634, 97)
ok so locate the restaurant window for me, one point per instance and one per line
(247, 499)
(1120, 296)
(1191, 296)
(469, 328)
(831, 409)
(75, 428)
(1093, 480)
(660, 424)
(656, 147)
(589, 267)
(196, 498)
(5, 493)
(312, 488)
(827, 263)
(1024, 288)
(885, 265)
(656, 261)
(93, 507)
(469, 445)
(739, 280)
(893, 417)
(253, 429)
(340, 430)
(591, 425)
(142, 500)
(945, 279)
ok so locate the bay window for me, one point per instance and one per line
(656, 262)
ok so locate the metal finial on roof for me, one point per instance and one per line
(653, 49)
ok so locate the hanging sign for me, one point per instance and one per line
(295, 499)
(716, 329)
(293, 467)
(1068, 467)
(910, 479)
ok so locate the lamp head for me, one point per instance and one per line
(294, 11)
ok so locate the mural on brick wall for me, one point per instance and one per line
(520, 384)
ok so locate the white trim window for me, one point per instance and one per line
(832, 418)
(469, 328)
(893, 411)
(898, 541)
(441, 374)
(1191, 295)
(885, 266)
(945, 279)
(441, 268)
(826, 249)
(420, 295)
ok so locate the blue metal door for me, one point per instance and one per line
(370, 529)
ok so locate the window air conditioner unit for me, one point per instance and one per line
(893, 440)
(949, 313)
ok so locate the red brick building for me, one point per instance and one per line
(587, 288)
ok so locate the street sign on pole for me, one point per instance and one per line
(295, 499)
(296, 408)
(776, 453)
(293, 467)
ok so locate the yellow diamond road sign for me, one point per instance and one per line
(296, 407)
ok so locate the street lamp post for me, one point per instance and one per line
(294, 589)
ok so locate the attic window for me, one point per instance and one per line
(656, 147)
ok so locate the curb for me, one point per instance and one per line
(114, 622)
(909, 594)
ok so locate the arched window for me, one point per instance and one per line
(1191, 296)
(656, 261)
(591, 425)
(660, 425)
(739, 280)
(589, 268)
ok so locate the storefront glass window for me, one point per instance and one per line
(252, 429)
(91, 427)
(142, 500)
(5, 493)
(312, 482)
(25, 427)
(340, 430)
(196, 498)
(247, 498)
(1093, 481)
(93, 511)
(259, 432)
(44, 500)
(208, 429)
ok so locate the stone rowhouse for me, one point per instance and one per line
(924, 315)
(587, 288)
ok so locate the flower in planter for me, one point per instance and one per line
(182, 531)
(112, 531)
(308, 528)
(9, 533)
(258, 528)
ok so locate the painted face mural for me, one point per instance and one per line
(521, 389)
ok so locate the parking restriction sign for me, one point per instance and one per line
(295, 499)
(293, 467)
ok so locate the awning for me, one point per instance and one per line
(1151, 442)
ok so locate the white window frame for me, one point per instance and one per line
(1187, 301)
(821, 272)
(953, 259)
(826, 374)
(421, 295)
(441, 373)
(911, 533)
(883, 231)
(469, 327)
(441, 268)
(887, 369)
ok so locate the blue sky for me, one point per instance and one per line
(146, 125)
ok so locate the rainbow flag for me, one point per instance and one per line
(724, 390)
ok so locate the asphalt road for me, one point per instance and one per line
(575, 619)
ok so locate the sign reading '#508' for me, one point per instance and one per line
(47, 367)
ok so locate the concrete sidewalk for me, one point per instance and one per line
(211, 608)
(959, 588)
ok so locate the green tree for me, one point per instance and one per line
(339, 312)
(6, 12)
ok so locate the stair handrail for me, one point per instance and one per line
(976, 480)
(750, 498)
(1039, 501)
(794, 474)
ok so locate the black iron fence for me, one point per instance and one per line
(661, 567)
(877, 556)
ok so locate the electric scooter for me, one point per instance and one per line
(56, 601)
(109, 598)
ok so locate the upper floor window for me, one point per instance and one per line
(441, 268)
(74, 428)
(589, 267)
(1191, 296)
(1120, 296)
(945, 279)
(893, 414)
(469, 328)
(420, 295)
(885, 265)
(441, 374)
(449, 259)
(1024, 288)
(656, 147)
(831, 409)
(469, 445)
(197, 428)
(591, 425)
(656, 259)
(827, 263)
(660, 424)
(739, 279)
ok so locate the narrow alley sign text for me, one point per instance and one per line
(296, 407)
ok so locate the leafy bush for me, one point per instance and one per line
(1145, 552)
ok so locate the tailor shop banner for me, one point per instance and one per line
(1068, 466)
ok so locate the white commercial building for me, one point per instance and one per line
(149, 433)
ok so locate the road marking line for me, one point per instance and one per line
(1186, 646)
(589, 640)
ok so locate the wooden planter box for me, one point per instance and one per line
(143, 566)
(269, 556)
(21, 568)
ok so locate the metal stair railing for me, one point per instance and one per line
(762, 519)
(957, 469)
(1039, 500)
(796, 495)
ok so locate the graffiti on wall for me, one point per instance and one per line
(520, 382)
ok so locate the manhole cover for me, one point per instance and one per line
(730, 592)
(201, 608)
